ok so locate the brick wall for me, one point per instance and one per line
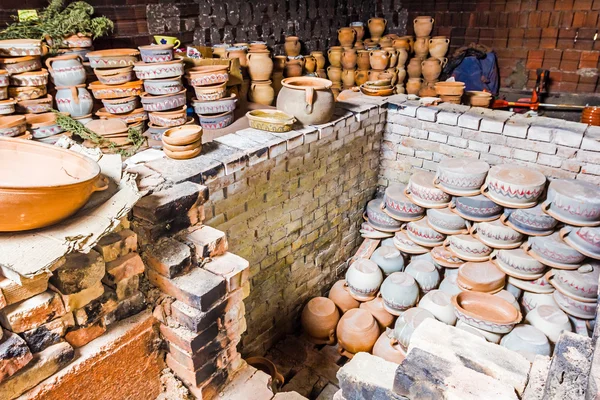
(527, 34)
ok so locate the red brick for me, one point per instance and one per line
(563, 5)
(502, 20)
(582, 4)
(547, 5)
(567, 87)
(535, 55)
(591, 19)
(14, 354)
(555, 18)
(586, 88)
(572, 77)
(551, 63)
(123, 268)
(533, 20)
(33, 312)
(117, 244)
(589, 59)
(596, 5)
(533, 33)
(592, 80)
(553, 54)
(513, 6)
(544, 19)
(569, 66)
(187, 340)
(528, 5)
(566, 19)
(533, 64)
(523, 20)
(571, 55)
(82, 335)
(579, 19)
(531, 43)
(512, 20)
(583, 44)
(548, 43)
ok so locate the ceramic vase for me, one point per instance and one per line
(292, 46)
(261, 92)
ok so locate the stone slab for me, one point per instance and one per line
(367, 377)
(537, 378)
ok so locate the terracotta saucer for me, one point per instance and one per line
(507, 222)
(469, 218)
(183, 155)
(507, 204)
(406, 245)
(511, 272)
(565, 220)
(477, 236)
(423, 204)
(549, 263)
(464, 193)
(529, 286)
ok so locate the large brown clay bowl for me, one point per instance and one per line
(62, 181)
(486, 311)
(319, 319)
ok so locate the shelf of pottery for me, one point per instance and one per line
(475, 247)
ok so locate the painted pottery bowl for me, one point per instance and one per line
(12, 125)
(363, 278)
(21, 93)
(164, 102)
(102, 91)
(156, 53)
(35, 106)
(3, 93)
(18, 65)
(422, 192)
(553, 251)
(580, 284)
(163, 86)
(220, 106)
(528, 341)
(512, 289)
(407, 323)
(113, 58)
(43, 125)
(120, 106)
(508, 296)
(445, 221)
(115, 76)
(425, 273)
(7, 106)
(66, 70)
(217, 121)
(422, 234)
(476, 208)
(496, 235)
(211, 92)
(576, 308)
(467, 248)
(514, 186)
(388, 348)
(439, 304)
(405, 245)
(485, 311)
(482, 277)
(518, 263)
(461, 176)
(5, 79)
(529, 221)
(398, 206)
(399, 292)
(169, 118)
(319, 319)
(532, 300)
(382, 316)
(550, 320)
(21, 47)
(585, 240)
(77, 41)
(367, 231)
(158, 70)
(389, 259)
(380, 220)
(207, 75)
(540, 285)
(270, 120)
(357, 331)
(132, 117)
(444, 258)
(342, 298)
(33, 78)
(573, 202)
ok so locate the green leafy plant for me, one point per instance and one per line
(55, 23)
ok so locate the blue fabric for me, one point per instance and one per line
(478, 74)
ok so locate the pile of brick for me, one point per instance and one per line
(45, 317)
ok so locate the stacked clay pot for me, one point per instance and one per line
(213, 104)
(260, 68)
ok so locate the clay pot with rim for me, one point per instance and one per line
(431, 69)
(375, 307)
(376, 27)
(423, 26)
(348, 77)
(66, 70)
(386, 42)
(438, 46)
(335, 56)
(359, 45)
(319, 319)
(292, 46)
(413, 85)
(402, 43)
(346, 37)
(414, 68)
(293, 68)
(349, 58)
(485, 311)
(319, 58)
(402, 57)
(239, 53)
(310, 64)
(360, 77)
(421, 47)
(393, 56)
(357, 331)
(362, 60)
(261, 92)
(334, 73)
(379, 59)
(75, 100)
(374, 74)
(388, 348)
(260, 65)
(342, 298)
(279, 63)
(359, 28)
(308, 99)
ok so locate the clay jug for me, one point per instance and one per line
(360, 77)
(308, 99)
(335, 56)
(393, 56)
(260, 65)
(369, 43)
(374, 74)
(319, 320)
(348, 59)
(357, 331)
(320, 58)
(400, 75)
(376, 27)
(359, 45)
(359, 28)
(375, 307)
(362, 60)
(388, 348)
(402, 57)
(292, 46)
(414, 68)
(422, 47)
(310, 64)
(348, 77)
(239, 53)
(346, 37)
(379, 59)
(279, 63)
(385, 42)
(423, 26)
(438, 46)
(401, 43)
(293, 68)
(75, 100)
(413, 85)
(393, 72)
(334, 73)
(261, 92)
(431, 69)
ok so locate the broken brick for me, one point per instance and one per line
(169, 258)
(49, 333)
(188, 340)
(122, 268)
(117, 244)
(127, 287)
(15, 292)
(82, 335)
(80, 299)
(33, 312)
(166, 205)
(126, 308)
(14, 354)
(78, 271)
(233, 268)
(208, 242)
(96, 309)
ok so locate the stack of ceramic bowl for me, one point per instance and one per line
(115, 131)
(260, 68)
(213, 107)
(44, 128)
(182, 142)
(477, 98)
(450, 92)
(591, 115)
(116, 87)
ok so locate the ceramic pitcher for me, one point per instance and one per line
(75, 100)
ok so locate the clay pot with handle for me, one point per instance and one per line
(402, 57)
(292, 46)
(293, 68)
(261, 92)
(414, 68)
(413, 85)
(346, 37)
(279, 63)
(376, 27)
(308, 99)
(402, 43)
(393, 56)
(75, 100)
(423, 26)
(374, 74)
(438, 46)
(349, 58)
(379, 59)
(66, 70)
(431, 69)
(319, 58)
(400, 75)
(362, 60)
(357, 331)
(310, 64)
(360, 77)
(260, 65)
(359, 28)
(335, 56)
(348, 77)
(334, 73)
(422, 47)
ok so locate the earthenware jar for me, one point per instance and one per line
(496, 235)
(425, 273)
(374, 74)
(379, 59)
(400, 75)
(342, 298)
(402, 43)
(438, 46)
(359, 28)
(376, 27)
(349, 59)
(399, 292)
(239, 53)
(514, 186)
(308, 99)
(319, 320)
(279, 63)
(357, 331)
(335, 56)
(362, 60)
(573, 202)
(292, 46)
(66, 70)
(550, 320)
(75, 100)
(486, 312)
(532, 300)
(398, 206)
(260, 65)
(346, 37)
(310, 64)
(391, 74)
(257, 46)
(476, 208)
(348, 77)
(439, 304)
(389, 259)
(445, 221)
(422, 234)
(334, 73)
(580, 284)
(220, 49)
(431, 69)
(518, 263)
(468, 248)
(359, 45)
(423, 26)
(407, 323)
(528, 341)
(388, 348)
(319, 58)
(293, 68)
(261, 92)
(363, 279)
(480, 277)
(375, 307)
(422, 192)
(443, 258)
(586, 240)
(414, 68)
(360, 77)
(421, 47)
(553, 251)
(413, 85)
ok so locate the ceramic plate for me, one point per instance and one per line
(511, 272)
(552, 264)
(496, 246)
(566, 221)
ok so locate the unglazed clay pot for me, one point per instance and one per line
(388, 348)
(402, 57)
(421, 47)
(349, 59)
(379, 59)
(308, 99)
(359, 28)
(362, 61)
(407, 323)
(393, 56)
(239, 53)
(334, 73)
(414, 68)
(348, 77)
(438, 46)
(386, 42)
(292, 46)
(423, 26)
(293, 68)
(376, 27)
(342, 298)
(374, 74)
(319, 320)
(375, 307)
(400, 75)
(431, 69)
(260, 65)
(335, 56)
(357, 331)
(279, 63)
(346, 37)
(413, 85)
(261, 92)
(360, 77)
(402, 43)
(319, 58)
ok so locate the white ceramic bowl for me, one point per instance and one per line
(398, 206)
(467, 248)
(532, 300)
(518, 263)
(461, 176)
(580, 284)
(553, 251)
(422, 234)
(408, 322)
(445, 221)
(514, 186)
(574, 202)
(528, 341)
(421, 191)
(576, 308)
(425, 273)
(585, 240)
(496, 235)
(389, 259)
(363, 278)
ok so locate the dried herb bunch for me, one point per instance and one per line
(55, 23)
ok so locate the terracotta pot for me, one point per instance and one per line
(438, 46)
(310, 64)
(293, 68)
(385, 42)
(414, 68)
(393, 56)
(267, 366)
(279, 63)
(359, 45)
(421, 47)
(379, 59)
(319, 319)
(431, 69)
(349, 58)
(334, 73)
(399, 89)
(485, 311)
(369, 43)
(362, 60)
(261, 92)
(319, 58)
(340, 295)
(112, 58)
(423, 26)
(359, 28)
(308, 99)
(260, 65)
(393, 75)
(346, 36)
(376, 27)
(413, 85)
(220, 49)
(374, 74)
(402, 57)
(357, 331)
(335, 56)
(360, 77)
(239, 53)
(388, 348)
(348, 77)
(292, 46)
(402, 43)
(400, 75)
(375, 307)
(321, 73)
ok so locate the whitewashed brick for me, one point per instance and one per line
(502, 151)
(430, 165)
(526, 144)
(407, 151)
(400, 129)
(525, 155)
(540, 133)
(589, 178)
(491, 125)
(567, 138)
(438, 137)
(593, 132)
(551, 161)
(514, 129)
(426, 155)
(458, 142)
(411, 122)
(418, 133)
(565, 152)
(491, 159)
(437, 157)
(588, 156)
(409, 109)
(478, 146)
(427, 114)
(392, 137)
(489, 138)
(415, 162)
(590, 144)
(447, 118)
(469, 121)
(445, 129)
(590, 169)
(571, 165)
